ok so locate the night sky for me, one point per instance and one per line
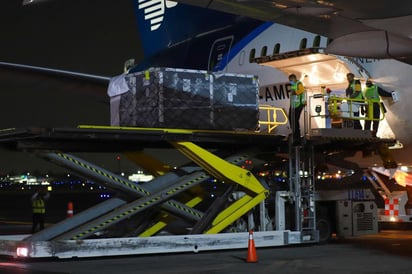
(88, 36)
(93, 36)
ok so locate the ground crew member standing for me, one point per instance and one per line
(372, 92)
(38, 202)
(297, 103)
(354, 91)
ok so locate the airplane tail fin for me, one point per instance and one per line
(153, 24)
(183, 36)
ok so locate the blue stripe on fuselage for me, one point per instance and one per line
(238, 47)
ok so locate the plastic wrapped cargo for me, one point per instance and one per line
(189, 99)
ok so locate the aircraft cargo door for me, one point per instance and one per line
(323, 76)
(313, 67)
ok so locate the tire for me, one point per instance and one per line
(324, 227)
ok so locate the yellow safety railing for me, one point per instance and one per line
(272, 115)
(341, 107)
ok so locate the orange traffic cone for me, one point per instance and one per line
(69, 210)
(251, 249)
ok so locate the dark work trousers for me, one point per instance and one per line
(294, 117)
(376, 116)
(356, 123)
(38, 220)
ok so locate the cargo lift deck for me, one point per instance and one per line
(168, 197)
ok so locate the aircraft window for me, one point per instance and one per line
(264, 51)
(252, 55)
(316, 41)
(276, 49)
(303, 43)
(242, 57)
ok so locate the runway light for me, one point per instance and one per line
(22, 251)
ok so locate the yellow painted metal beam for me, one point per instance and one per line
(220, 168)
(225, 171)
(232, 208)
(158, 226)
(165, 219)
(168, 130)
(238, 210)
(148, 163)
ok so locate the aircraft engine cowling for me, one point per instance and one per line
(371, 44)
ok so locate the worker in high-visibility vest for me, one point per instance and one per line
(372, 92)
(38, 203)
(354, 91)
(297, 104)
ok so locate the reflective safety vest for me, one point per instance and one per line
(38, 206)
(372, 92)
(298, 100)
(353, 86)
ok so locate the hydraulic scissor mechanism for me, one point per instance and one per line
(177, 198)
(229, 172)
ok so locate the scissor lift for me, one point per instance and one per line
(76, 236)
(172, 197)
(158, 192)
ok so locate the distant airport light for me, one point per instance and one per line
(140, 177)
(405, 168)
(22, 252)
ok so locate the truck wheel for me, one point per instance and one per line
(325, 231)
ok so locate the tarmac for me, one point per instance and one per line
(390, 251)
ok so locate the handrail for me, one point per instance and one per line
(342, 107)
(272, 117)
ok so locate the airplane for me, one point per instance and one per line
(228, 45)
(223, 37)
(368, 29)
(355, 44)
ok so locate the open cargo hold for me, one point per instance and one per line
(179, 98)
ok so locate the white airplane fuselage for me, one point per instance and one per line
(389, 74)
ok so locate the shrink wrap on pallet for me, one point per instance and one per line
(189, 99)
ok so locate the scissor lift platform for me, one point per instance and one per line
(74, 237)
